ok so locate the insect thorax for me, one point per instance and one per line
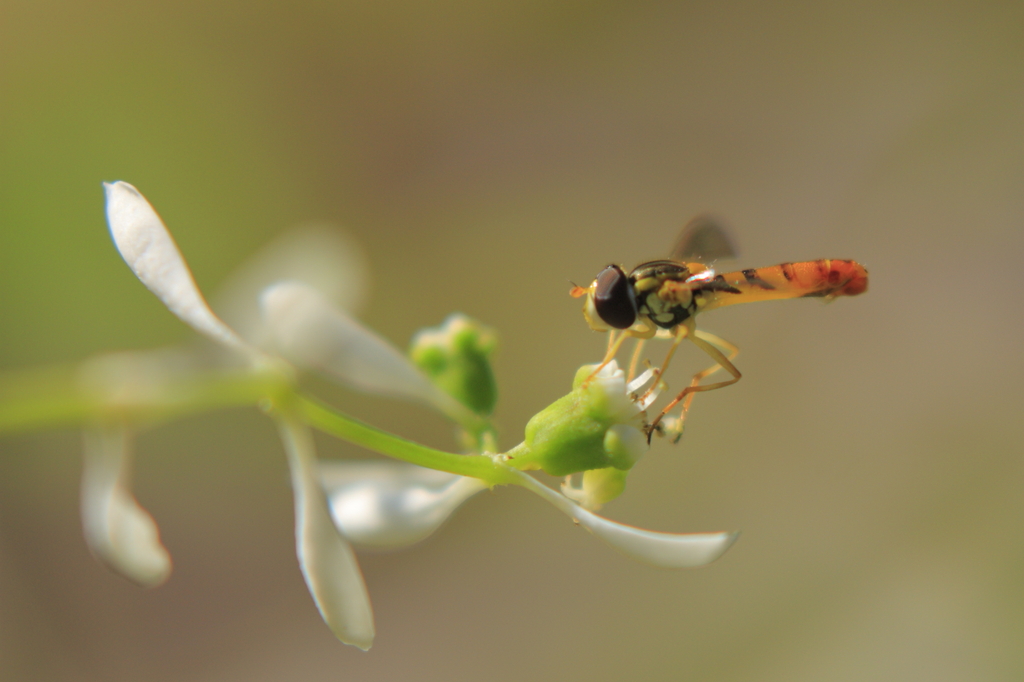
(661, 292)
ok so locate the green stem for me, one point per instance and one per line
(54, 397)
(354, 431)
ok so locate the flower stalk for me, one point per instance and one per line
(483, 467)
(56, 397)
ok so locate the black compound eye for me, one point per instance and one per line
(614, 298)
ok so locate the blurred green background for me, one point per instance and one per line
(485, 154)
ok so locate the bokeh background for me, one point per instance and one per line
(484, 154)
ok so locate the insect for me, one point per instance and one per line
(663, 297)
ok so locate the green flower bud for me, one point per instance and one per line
(597, 426)
(597, 487)
(456, 357)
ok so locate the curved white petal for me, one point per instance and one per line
(327, 561)
(148, 249)
(664, 550)
(310, 332)
(118, 531)
(318, 255)
(387, 505)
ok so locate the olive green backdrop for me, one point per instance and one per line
(484, 154)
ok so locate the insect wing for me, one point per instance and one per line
(704, 240)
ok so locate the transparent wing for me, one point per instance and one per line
(703, 239)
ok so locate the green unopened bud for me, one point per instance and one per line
(624, 445)
(456, 357)
(597, 487)
(597, 426)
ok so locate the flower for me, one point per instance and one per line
(598, 425)
(593, 436)
(325, 557)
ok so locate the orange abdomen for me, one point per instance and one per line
(826, 278)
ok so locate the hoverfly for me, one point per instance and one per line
(663, 297)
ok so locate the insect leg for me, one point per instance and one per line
(703, 341)
(614, 343)
(635, 360)
(612, 347)
(682, 331)
(720, 343)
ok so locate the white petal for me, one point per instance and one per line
(387, 505)
(312, 333)
(326, 559)
(638, 383)
(611, 381)
(118, 531)
(664, 550)
(320, 256)
(148, 249)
